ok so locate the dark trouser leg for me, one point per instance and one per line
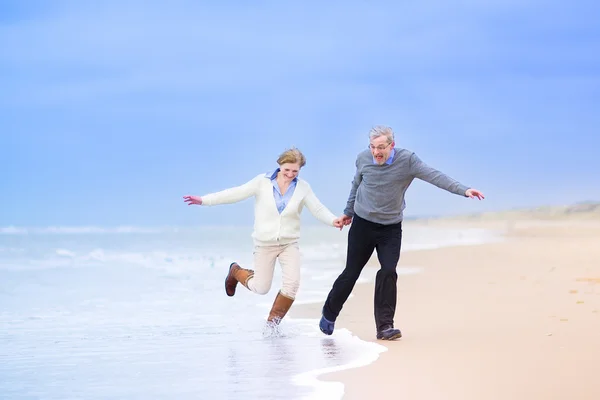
(360, 248)
(388, 243)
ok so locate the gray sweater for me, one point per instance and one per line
(377, 193)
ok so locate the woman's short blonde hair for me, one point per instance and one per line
(292, 156)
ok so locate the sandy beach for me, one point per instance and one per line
(517, 319)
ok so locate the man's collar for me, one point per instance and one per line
(390, 158)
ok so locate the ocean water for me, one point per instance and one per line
(130, 313)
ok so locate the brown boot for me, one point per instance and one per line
(281, 305)
(236, 274)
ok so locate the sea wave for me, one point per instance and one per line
(17, 230)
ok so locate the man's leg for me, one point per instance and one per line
(388, 239)
(360, 248)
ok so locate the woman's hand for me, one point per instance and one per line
(193, 200)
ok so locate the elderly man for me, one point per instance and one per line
(375, 208)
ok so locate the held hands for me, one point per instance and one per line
(342, 221)
(190, 200)
(474, 193)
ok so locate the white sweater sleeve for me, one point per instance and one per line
(234, 194)
(317, 208)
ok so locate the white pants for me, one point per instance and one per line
(264, 266)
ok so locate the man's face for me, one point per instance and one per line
(381, 149)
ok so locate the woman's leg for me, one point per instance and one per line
(264, 266)
(289, 258)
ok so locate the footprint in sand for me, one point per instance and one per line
(561, 319)
(589, 280)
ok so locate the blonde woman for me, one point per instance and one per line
(280, 197)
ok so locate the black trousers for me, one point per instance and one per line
(364, 237)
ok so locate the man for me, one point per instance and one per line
(375, 209)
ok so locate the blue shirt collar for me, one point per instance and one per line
(390, 158)
(274, 175)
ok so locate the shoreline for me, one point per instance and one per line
(304, 311)
(505, 319)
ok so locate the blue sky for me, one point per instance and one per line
(111, 111)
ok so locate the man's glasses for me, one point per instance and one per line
(380, 147)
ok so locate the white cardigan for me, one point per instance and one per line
(270, 227)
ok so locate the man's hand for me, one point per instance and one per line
(474, 193)
(193, 200)
(344, 220)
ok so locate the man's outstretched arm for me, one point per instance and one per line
(431, 175)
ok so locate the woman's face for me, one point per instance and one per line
(289, 171)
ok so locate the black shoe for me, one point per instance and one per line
(326, 326)
(389, 334)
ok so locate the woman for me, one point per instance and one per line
(279, 200)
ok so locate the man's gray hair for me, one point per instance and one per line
(381, 130)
